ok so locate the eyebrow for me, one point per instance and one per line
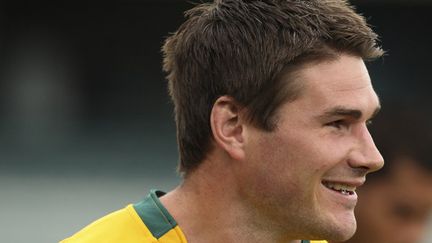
(344, 111)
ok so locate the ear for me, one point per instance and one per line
(227, 126)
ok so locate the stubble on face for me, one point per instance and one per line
(285, 168)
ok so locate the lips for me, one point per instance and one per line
(342, 188)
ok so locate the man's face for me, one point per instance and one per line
(395, 208)
(300, 179)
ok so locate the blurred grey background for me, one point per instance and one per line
(87, 125)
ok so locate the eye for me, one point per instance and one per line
(339, 124)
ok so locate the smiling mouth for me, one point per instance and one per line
(343, 189)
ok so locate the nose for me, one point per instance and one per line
(368, 156)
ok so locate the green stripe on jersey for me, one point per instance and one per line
(154, 215)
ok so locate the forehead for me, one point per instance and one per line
(342, 82)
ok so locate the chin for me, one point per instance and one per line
(343, 232)
(339, 229)
(344, 237)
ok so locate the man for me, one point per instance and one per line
(395, 203)
(271, 101)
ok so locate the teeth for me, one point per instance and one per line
(342, 188)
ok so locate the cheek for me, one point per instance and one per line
(290, 163)
(272, 165)
(294, 159)
(309, 154)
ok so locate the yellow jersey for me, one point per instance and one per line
(145, 222)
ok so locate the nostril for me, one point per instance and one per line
(361, 171)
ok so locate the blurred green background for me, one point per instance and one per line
(87, 125)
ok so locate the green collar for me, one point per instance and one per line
(154, 215)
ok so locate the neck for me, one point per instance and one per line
(208, 208)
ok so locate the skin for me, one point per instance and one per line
(395, 208)
(258, 186)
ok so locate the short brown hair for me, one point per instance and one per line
(241, 48)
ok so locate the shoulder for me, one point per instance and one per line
(147, 221)
(123, 225)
